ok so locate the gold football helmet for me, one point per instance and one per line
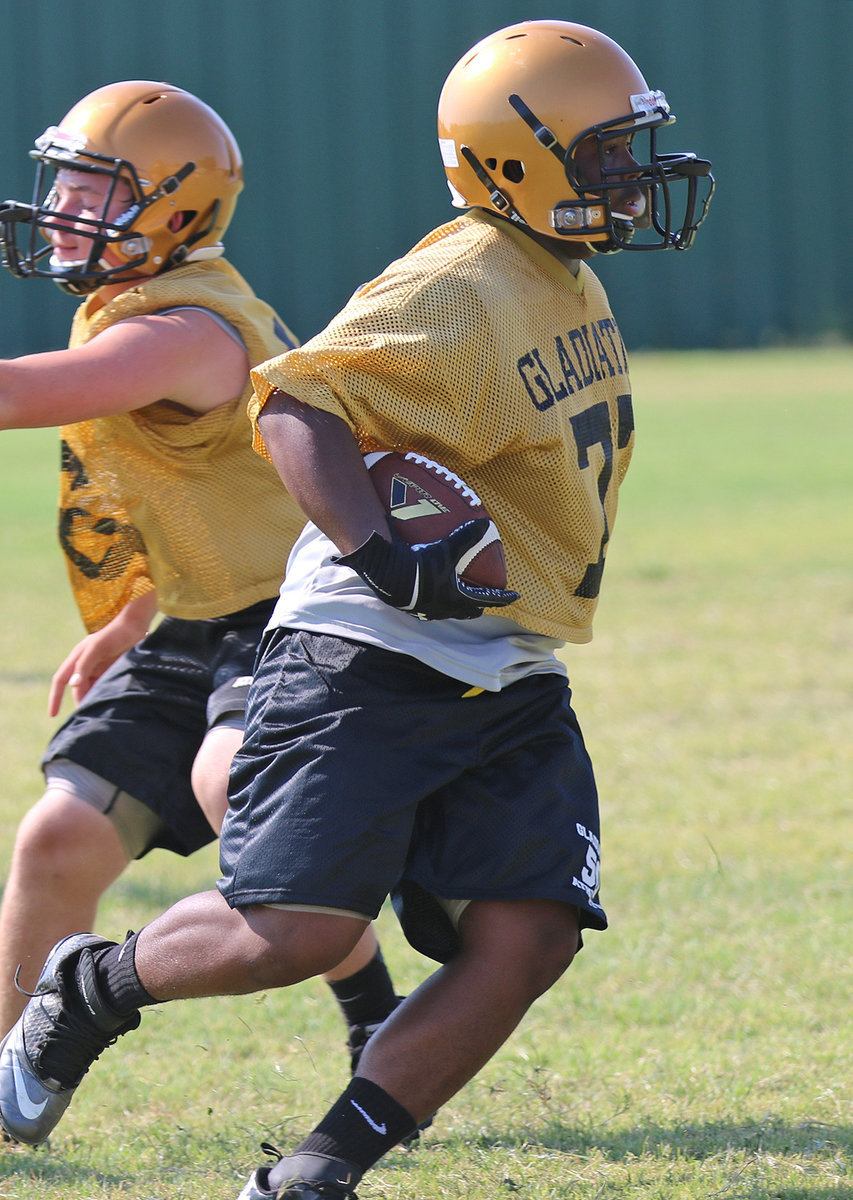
(180, 161)
(515, 109)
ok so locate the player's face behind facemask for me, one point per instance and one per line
(519, 116)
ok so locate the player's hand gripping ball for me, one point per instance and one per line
(445, 558)
(426, 502)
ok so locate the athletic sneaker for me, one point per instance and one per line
(60, 1033)
(308, 1177)
(359, 1036)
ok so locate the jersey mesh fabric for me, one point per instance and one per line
(170, 498)
(480, 350)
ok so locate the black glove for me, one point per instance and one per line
(423, 580)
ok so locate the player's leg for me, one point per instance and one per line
(510, 953)
(361, 984)
(255, 932)
(530, 807)
(118, 783)
(66, 855)
(203, 947)
(90, 990)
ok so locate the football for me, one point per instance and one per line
(425, 501)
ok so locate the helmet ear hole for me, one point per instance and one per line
(513, 170)
(180, 220)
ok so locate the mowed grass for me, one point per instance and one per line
(703, 1046)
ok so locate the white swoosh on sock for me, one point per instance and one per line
(26, 1106)
(383, 1128)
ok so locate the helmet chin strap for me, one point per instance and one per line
(610, 245)
(544, 136)
(500, 201)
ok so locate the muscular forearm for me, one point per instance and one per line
(321, 466)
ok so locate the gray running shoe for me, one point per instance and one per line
(302, 1177)
(60, 1033)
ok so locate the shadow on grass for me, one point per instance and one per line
(694, 1140)
(664, 1143)
(49, 1171)
(815, 1140)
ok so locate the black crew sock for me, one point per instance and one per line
(116, 977)
(363, 1124)
(368, 996)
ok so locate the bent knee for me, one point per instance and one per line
(62, 834)
(553, 945)
(535, 939)
(286, 946)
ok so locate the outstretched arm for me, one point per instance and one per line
(183, 356)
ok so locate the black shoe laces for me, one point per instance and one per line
(68, 1044)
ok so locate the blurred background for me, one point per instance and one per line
(333, 103)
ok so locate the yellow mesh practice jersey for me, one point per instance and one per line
(480, 350)
(165, 496)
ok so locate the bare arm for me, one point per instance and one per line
(183, 356)
(322, 467)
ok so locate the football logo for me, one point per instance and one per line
(408, 501)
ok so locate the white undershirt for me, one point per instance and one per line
(489, 652)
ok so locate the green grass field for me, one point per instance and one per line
(703, 1046)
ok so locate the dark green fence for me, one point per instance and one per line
(333, 102)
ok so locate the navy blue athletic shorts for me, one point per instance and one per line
(141, 725)
(365, 773)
